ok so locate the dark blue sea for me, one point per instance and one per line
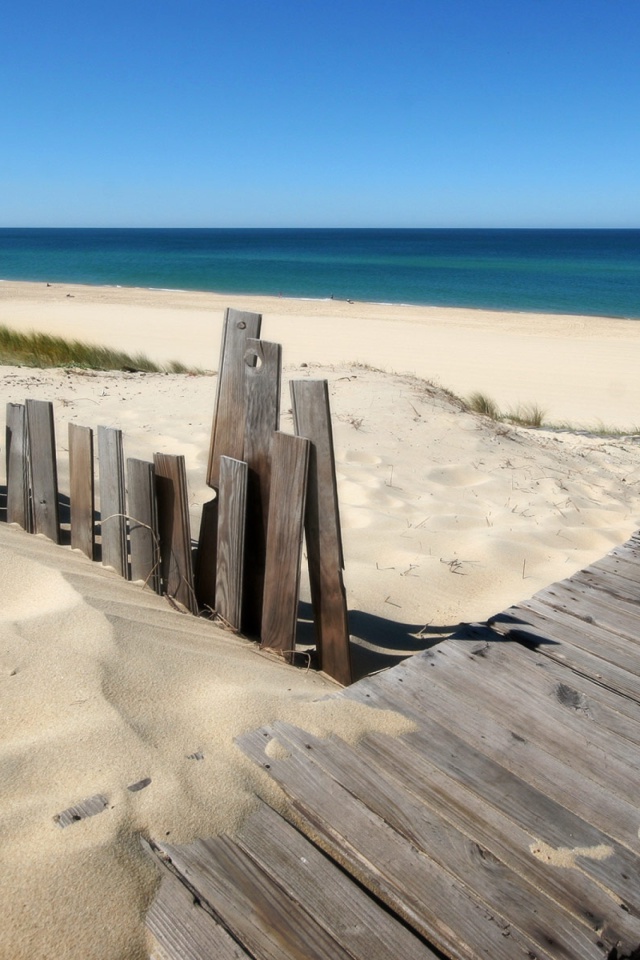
(594, 272)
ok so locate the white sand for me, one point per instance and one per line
(446, 518)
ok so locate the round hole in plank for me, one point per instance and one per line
(252, 359)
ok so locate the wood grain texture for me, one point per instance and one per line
(231, 540)
(82, 484)
(175, 530)
(227, 433)
(113, 521)
(312, 418)
(263, 365)
(289, 465)
(17, 460)
(144, 536)
(206, 556)
(43, 469)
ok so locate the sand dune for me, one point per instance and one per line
(447, 517)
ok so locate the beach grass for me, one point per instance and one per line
(43, 350)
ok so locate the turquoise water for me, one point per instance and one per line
(593, 272)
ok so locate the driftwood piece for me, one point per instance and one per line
(86, 808)
(113, 522)
(231, 535)
(205, 571)
(17, 450)
(262, 373)
(175, 530)
(82, 488)
(290, 459)
(227, 433)
(143, 523)
(43, 468)
(312, 418)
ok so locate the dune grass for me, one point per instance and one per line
(44, 350)
(531, 415)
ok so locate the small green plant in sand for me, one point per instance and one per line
(484, 405)
(44, 350)
(526, 415)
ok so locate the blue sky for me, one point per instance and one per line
(320, 113)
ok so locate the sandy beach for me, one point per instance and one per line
(448, 517)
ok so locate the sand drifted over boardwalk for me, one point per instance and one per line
(447, 518)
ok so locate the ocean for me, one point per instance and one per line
(592, 272)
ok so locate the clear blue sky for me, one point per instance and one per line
(320, 113)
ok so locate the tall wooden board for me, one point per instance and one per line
(43, 468)
(205, 571)
(263, 366)
(82, 488)
(175, 530)
(289, 464)
(17, 450)
(113, 521)
(144, 537)
(231, 533)
(312, 418)
(227, 433)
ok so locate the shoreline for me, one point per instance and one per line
(580, 369)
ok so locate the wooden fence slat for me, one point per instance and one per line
(113, 522)
(231, 534)
(17, 450)
(312, 418)
(144, 538)
(205, 571)
(43, 468)
(227, 433)
(262, 373)
(82, 488)
(290, 459)
(175, 530)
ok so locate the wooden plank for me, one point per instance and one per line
(290, 459)
(255, 910)
(434, 902)
(144, 536)
(82, 484)
(43, 468)
(312, 418)
(263, 366)
(182, 929)
(618, 617)
(17, 451)
(206, 556)
(227, 433)
(175, 531)
(86, 808)
(231, 537)
(113, 521)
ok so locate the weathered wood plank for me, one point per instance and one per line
(82, 493)
(263, 366)
(17, 456)
(113, 521)
(206, 556)
(266, 923)
(290, 460)
(618, 617)
(227, 433)
(144, 534)
(175, 531)
(80, 811)
(182, 929)
(43, 468)
(312, 418)
(231, 539)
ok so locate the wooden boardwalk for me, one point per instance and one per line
(504, 825)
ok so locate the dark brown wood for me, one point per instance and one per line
(43, 469)
(113, 521)
(206, 556)
(144, 536)
(312, 417)
(263, 365)
(227, 434)
(289, 468)
(82, 484)
(231, 538)
(17, 450)
(175, 529)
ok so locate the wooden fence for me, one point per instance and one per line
(269, 488)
